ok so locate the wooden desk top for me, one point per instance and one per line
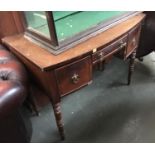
(45, 60)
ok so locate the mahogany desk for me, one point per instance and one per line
(62, 74)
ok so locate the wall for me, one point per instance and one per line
(10, 23)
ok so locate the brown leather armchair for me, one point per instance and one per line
(13, 92)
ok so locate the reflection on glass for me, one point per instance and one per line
(37, 21)
(70, 23)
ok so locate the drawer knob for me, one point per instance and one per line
(100, 54)
(75, 78)
(134, 41)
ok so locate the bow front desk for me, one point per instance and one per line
(59, 75)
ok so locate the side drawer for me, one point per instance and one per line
(133, 39)
(110, 49)
(73, 76)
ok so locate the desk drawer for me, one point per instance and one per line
(132, 40)
(110, 49)
(74, 75)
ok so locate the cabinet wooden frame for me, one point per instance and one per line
(54, 46)
(52, 41)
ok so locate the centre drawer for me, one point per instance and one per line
(74, 75)
(110, 49)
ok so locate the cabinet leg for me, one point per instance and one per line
(58, 117)
(131, 66)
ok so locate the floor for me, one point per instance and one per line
(107, 110)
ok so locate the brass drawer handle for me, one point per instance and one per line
(100, 54)
(123, 45)
(120, 47)
(75, 78)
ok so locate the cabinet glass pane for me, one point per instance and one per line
(37, 21)
(70, 23)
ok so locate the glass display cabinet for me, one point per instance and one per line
(60, 30)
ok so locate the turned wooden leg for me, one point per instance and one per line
(58, 117)
(131, 66)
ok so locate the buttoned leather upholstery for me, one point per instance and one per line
(13, 92)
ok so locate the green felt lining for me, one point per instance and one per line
(68, 23)
(75, 23)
